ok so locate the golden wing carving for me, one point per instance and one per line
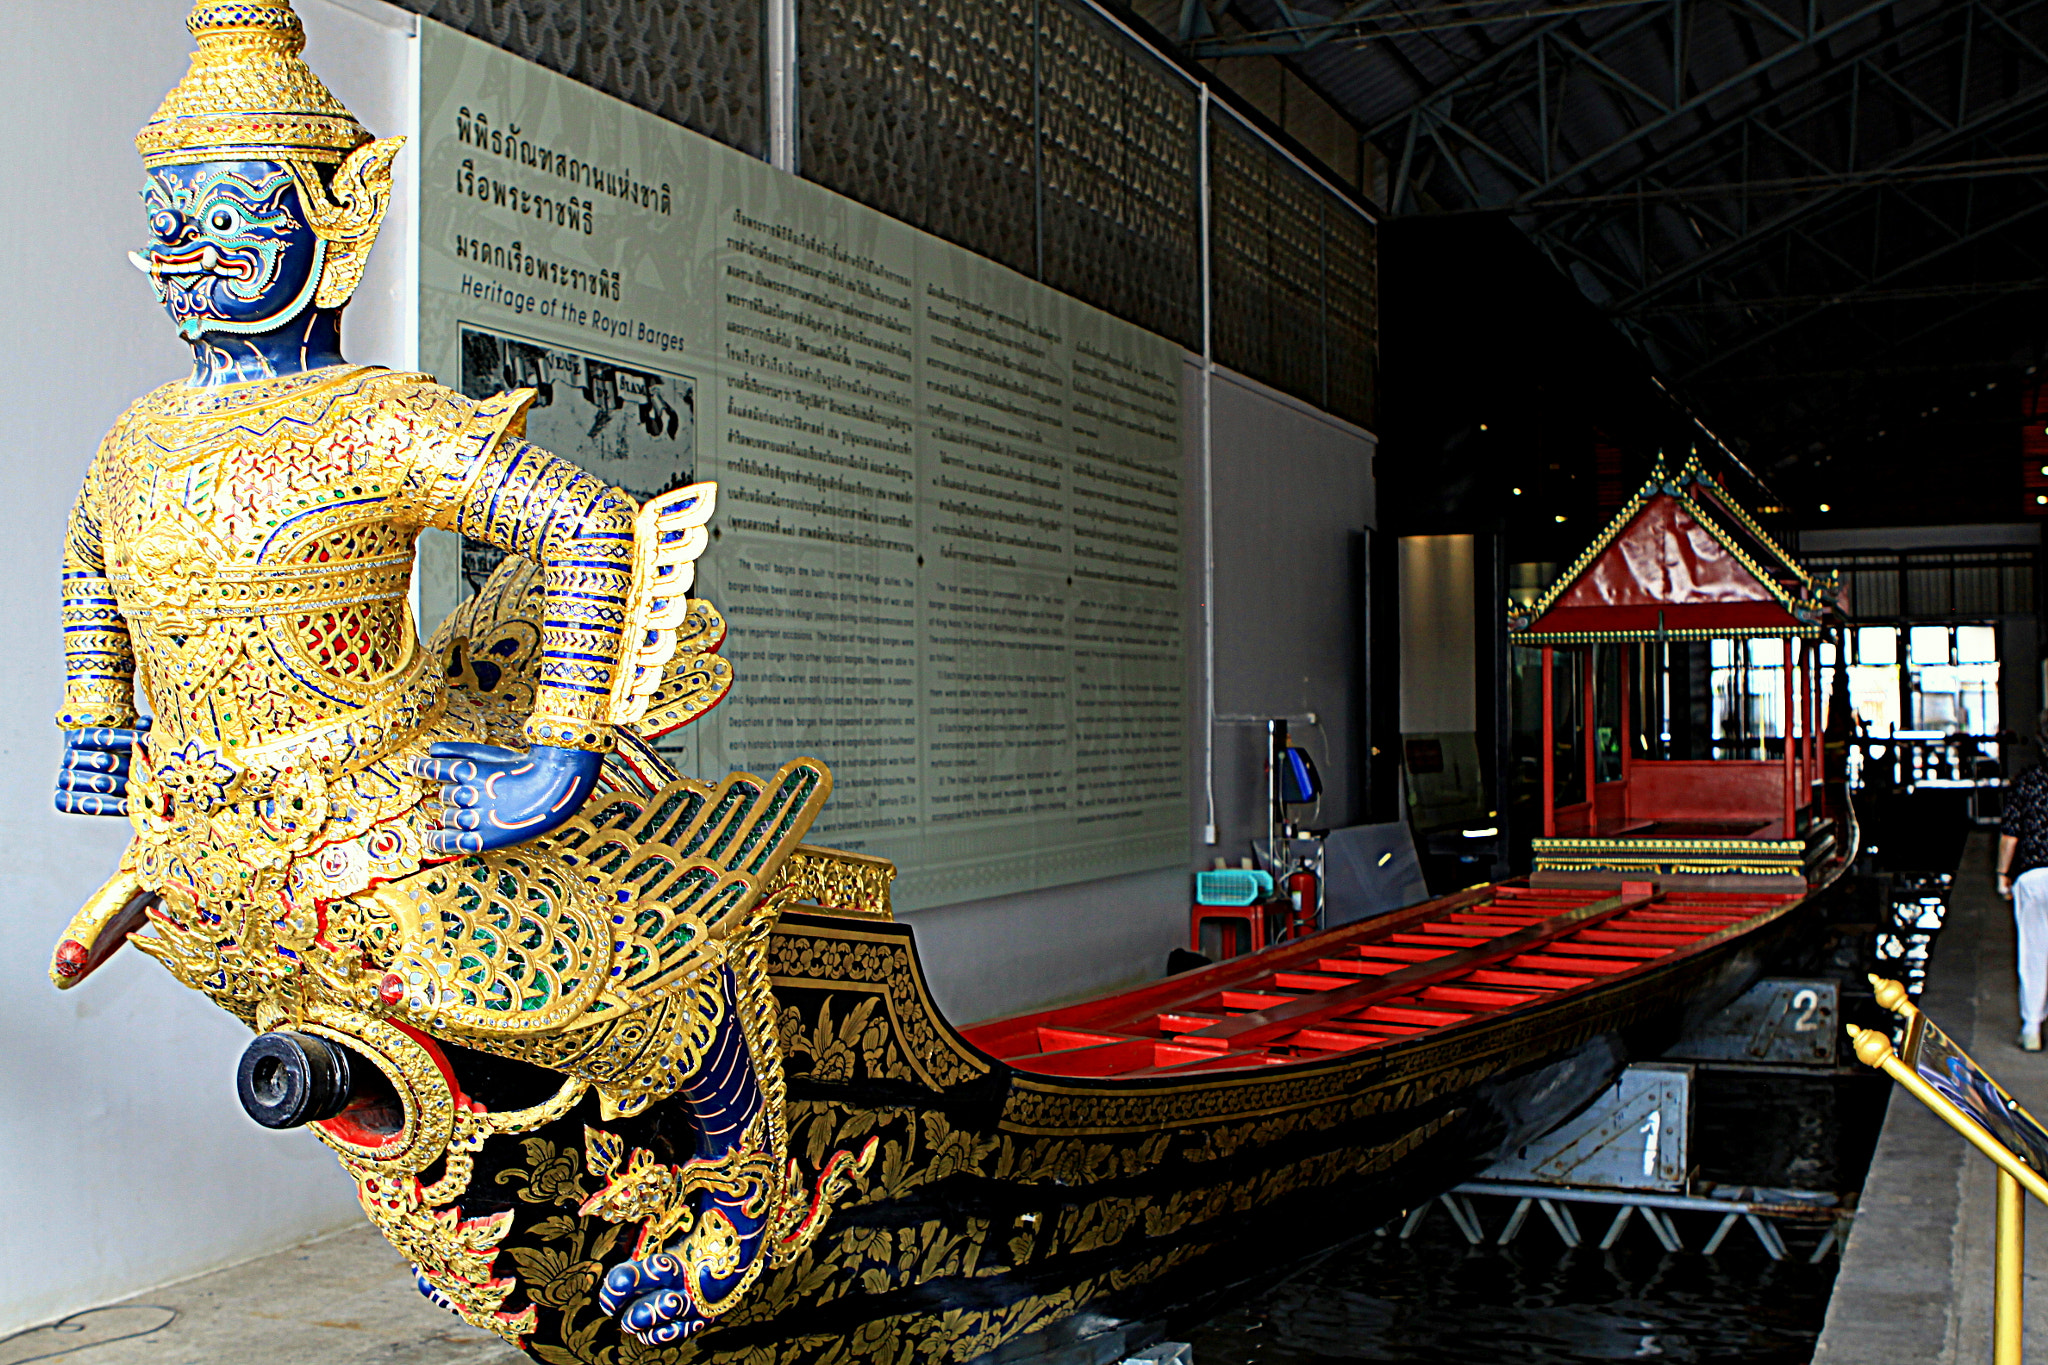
(683, 869)
(668, 537)
(594, 949)
(693, 681)
(501, 944)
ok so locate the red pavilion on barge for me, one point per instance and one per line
(1682, 562)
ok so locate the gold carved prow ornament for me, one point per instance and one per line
(241, 556)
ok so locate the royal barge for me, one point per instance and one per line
(1155, 1150)
(1140, 1156)
(666, 1084)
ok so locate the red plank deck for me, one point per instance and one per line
(1437, 965)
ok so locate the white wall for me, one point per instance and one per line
(124, 1159)
(1439, 635)
(1892, 539)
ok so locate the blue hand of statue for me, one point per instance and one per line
(94, 778)
(648, 1298)
(494, 796)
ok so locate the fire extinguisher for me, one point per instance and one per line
(1301, 892)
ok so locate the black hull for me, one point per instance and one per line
(1002, 1203)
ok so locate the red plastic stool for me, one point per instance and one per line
(1253, 918)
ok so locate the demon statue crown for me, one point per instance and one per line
(480, 924)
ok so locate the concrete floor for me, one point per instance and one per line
(343, 1300)
(1915, 1282)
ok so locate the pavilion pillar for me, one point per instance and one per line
(1589, 739)
(1628, 720)
(1791, 746)
(1549, 747)
(1809, 754)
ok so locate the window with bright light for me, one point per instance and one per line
(1747, 680)
(1874, 680)
(1959, 698)
(1947, 682)
(1877, 645)
(1928, 645)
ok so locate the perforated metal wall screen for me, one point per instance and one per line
(1120, 145)
(1033, 133)
(696, 62)
(1028, 131)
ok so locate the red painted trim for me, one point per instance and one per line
(1677, 616)
(1263, 1026)
(1707, 789)
(346, 1129)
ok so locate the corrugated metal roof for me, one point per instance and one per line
(1680, 160)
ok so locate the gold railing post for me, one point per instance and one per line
(2008, 1319)
(2016, 1180)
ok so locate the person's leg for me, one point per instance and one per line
(2030, 914)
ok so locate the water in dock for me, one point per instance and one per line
(1437, 1299)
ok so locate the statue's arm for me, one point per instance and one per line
(579, 529)
(98, 716)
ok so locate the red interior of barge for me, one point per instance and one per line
(1437, 965)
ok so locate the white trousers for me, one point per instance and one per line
(2030, 913)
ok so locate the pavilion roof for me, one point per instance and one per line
(1681, 561)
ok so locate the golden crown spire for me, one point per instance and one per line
(249, 95)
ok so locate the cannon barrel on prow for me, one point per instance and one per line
(287, 1080)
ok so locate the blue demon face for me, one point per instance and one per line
(230, 250)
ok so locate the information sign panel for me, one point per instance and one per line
(1956, 1075)
(949, 538)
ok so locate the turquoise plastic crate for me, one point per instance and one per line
(1233, 886)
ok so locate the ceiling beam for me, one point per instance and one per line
(1898, 164)
(1554, 44)
(1868, 296)
(1956, 242)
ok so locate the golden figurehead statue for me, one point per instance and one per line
(449, 883)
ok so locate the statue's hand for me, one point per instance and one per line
(494, 796)
(94, 778)
(648, 1299)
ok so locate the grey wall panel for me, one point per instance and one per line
(1015, 953)
(1293, 489)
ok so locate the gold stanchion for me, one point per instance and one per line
(2016, 1179)
(2008, 1318)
